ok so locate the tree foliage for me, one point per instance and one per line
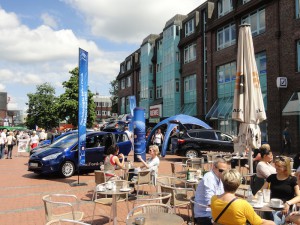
(68, 102)
(42, 108)
(114, 89)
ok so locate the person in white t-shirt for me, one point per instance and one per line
(34, 140)
(2, 142)
(158, 138)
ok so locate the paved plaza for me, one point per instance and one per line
(21, 193)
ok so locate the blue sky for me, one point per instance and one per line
(39, 40)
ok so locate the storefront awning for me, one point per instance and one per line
(221, 109)
(293, 105)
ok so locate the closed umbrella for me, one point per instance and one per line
(248, 105)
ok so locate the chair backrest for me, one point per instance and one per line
(179, 195)
(195, 163)
(193, 203)
(99, 177)
(170, 181)
(158, 197)
(144, 177)
(65, 222)
(150, 208)
(58, 204)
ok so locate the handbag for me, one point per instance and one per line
(218, 217)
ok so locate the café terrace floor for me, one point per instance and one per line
(21, 193)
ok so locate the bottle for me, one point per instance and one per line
(249, 195)
(188, 174)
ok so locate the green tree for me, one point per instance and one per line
(42, 108)
(114, 90)
(68, 102)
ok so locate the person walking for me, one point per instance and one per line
(34, 140)
(158, 138)
(286, 141)
(10, 144)
(2, 142)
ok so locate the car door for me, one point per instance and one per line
(123, 142)
(94, 153)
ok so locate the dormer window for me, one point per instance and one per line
(189, 27)
(224, 7)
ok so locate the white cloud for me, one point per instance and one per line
(49, 20)
(130, 20)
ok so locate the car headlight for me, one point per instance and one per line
(53, 156)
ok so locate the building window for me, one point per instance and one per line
(224, 7)
(159, 91)
(122, 68)
(177, 57)
(226, 36)
(128, 82)
(122, 83)
(190, 53)
(150, 68)
(298, 55)
(151, 93)
(226, 73)
(189, 27)
(257, 21)
(245, 1)
(190, 83)
(128, 65)
(297, 8)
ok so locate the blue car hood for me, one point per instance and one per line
(46, 151)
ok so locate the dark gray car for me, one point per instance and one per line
(191, 143)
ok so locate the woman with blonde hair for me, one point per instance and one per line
(283, 186)
(152, 163)
(227, 209)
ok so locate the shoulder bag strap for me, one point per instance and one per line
(225, 209)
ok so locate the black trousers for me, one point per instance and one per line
(203, 221)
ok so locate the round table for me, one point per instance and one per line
(114, 194)
(157, 219)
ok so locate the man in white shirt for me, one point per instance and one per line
(2, 142)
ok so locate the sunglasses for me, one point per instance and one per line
(221, 170)
(280, 158)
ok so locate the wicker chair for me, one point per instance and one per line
(62, 206)
(178, 170)
(150, 208)
(180, 196)
(158, 197)
(193, 203)
(65, 222)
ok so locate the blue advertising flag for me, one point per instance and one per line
(82, 103)
(132, 103)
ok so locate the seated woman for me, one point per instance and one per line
(239, 211)
(264, 169)
(112, 161)
(283, 186)
(152, 163)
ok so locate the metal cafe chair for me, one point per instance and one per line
(62, 206)
(150, 208)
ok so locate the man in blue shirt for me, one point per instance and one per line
(210, 185)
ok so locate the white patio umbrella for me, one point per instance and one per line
(248, 105)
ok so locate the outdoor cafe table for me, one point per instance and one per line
(114, 194)
(157, 219)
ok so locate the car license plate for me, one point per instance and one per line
(33, 164)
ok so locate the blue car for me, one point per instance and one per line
(62, 156)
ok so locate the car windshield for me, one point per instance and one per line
(66, 141)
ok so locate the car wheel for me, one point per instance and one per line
(67, 169)
(191, 153)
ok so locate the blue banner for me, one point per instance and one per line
(82, 103)
(139, 128)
